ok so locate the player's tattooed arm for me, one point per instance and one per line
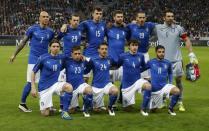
(19, 48)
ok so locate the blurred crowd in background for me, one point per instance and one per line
(17, 15)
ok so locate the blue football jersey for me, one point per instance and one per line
(142, 34)
(161, 73)
(74, 72)
(50, 67)
(39, 41)
(101, 68)
(132, 64)
(71, 38)
(95, 33)
(116, 38)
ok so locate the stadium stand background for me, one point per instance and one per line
(17, 15)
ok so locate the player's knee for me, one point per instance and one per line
(67, 87)
(114, 91)
(45, 113)
(88, 90)
(179, 83)
(175, 91)
(147, 86)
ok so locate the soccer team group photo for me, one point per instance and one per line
(96, 59)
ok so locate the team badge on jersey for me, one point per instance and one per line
(123, 32)
(102, 28)
(47, 36)
(165, 66)
(147, 30)
(108, 62)
(139, 59)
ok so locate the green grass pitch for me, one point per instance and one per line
(13, 78)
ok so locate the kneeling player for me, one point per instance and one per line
(74, 73)
(50, 65)
(161, 73)
(132, 63)
(101, 79)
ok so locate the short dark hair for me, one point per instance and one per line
(103, 43)
(159, 47)
(133, 42)
(140, 12)
(54, 41)
(75, 48)
(98, 8)
(74, 14)
(167, 11)
(117, 12)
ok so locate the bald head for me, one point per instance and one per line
(44, 18)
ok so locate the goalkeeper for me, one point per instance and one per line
(170, 35)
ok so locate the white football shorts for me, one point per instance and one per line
(29, 73)
(79, 90)
(156, 100)
(98, 95)
(45, 100)
(128, 94)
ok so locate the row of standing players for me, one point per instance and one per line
(169, 35)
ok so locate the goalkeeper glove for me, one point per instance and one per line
(193, 58)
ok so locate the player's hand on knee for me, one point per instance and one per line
(193, 58)
(63, 28)
(33, 92)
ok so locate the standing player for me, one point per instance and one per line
(72, 35)
(40, 36)
(50, 65)
(74, 73)
(116, 38)
(170, 35)
(132, 63)
(101, 79)
(95, 32)
(161, 81)
(142, 31)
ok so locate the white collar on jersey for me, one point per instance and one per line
(172, 26)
